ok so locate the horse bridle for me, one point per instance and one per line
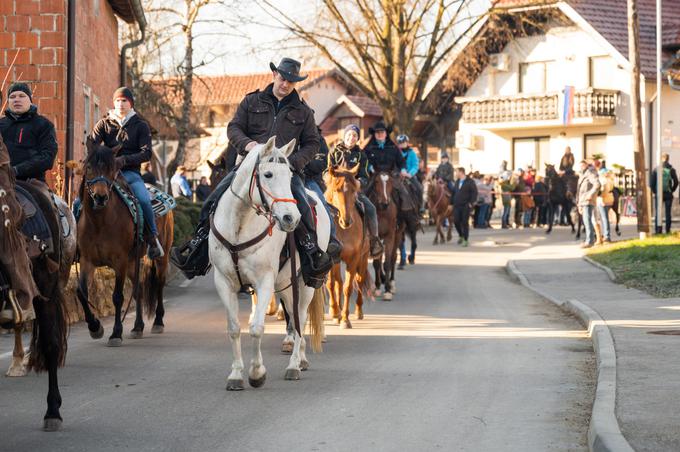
(90, 182)
(265, 209)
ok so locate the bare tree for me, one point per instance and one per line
(388, 48)
(164, 69)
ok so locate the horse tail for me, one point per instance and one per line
(149, 282)
(315, 312)
(364, 281)
(50, 330)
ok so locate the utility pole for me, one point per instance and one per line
(659, 165)
(642, 197)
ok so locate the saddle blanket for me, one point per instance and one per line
(35, 226)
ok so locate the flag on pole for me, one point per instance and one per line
(568, 111)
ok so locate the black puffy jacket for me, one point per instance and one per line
(389, 158)
(31, 141)
(351, 158)
(134, 136)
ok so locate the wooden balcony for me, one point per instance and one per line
(590, 107)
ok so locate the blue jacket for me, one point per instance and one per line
(412, 161)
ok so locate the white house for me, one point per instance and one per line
(514, 109)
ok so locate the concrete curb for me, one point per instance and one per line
(604, 268)
(604, 434)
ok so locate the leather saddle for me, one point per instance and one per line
(35, 226)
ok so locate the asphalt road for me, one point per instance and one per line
(462, 359)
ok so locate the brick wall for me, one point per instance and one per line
(35, 32)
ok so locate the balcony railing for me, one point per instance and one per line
(591, 103)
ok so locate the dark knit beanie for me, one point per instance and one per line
(20, 86)
(126, 93)
(353, 128)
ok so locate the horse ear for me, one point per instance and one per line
(89, 144)
(211, 165)
(268, 146)
(290, 147)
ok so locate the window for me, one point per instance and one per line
(88, 118)
(532, 151)
(95, 7)
(538, 77)
(595, 144)
(601, 71)
(97, 112)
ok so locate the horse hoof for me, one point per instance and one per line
(304, 365)
(387, 296)
(236, 385)
(360, 316)
(115, 342)
(292, 374)
(16, 371)
(97, 334)
(336, 320)
(280, 315)
(287, 348)
(136, 334)
(52, 424)
(157, 329)
(324, 339)
(346, 324)
(255, 382)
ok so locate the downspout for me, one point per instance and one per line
(141, 21)
(70, 101)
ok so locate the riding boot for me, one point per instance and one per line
(305, 233)
(154, 248)
(192, 256)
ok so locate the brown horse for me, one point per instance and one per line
(107, 236)
(440, 208)
(342, 192)
(38, 279)
(390, 232)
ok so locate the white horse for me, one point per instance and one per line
(259, 199)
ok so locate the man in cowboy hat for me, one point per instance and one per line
(277, 111)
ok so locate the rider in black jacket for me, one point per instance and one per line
(383, 155)
(351, 154)
(29, 137)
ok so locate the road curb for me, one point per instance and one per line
(604, 268)
(604, 434)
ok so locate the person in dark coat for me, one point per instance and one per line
(30, 138)
(383, 155)
(147, 174)
(445, 170)
(351, 154)
(203, 189)
(567, 161)
(123, 127)
(540, 194)
(277, 111)
(669, 180)
(463, 198)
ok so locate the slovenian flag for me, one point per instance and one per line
(568, 111)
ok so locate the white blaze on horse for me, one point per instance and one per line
(249, 229)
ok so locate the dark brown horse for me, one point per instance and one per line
(440, 209)
(107, 236)
(391, 233)
(50, 328)
(342, 192)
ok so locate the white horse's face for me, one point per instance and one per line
(275, 176)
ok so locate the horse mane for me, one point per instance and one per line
(101, 158)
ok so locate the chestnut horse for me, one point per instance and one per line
(342, 192)
(44, 274)
(107, 236)
(440, 209)
(389, 230)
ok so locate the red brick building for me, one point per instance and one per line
(73, 66)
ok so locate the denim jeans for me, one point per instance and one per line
(603, 212)
(134, 180)
(527, 217)
(481, 215)
(588, 223)
(505, 217)
(312, 185)
(667, 206)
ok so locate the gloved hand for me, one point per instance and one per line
(121, 162)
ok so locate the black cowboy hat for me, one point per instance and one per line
(380, 125)
(289, 69)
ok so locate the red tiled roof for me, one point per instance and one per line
(230, 89)
(367, 105)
